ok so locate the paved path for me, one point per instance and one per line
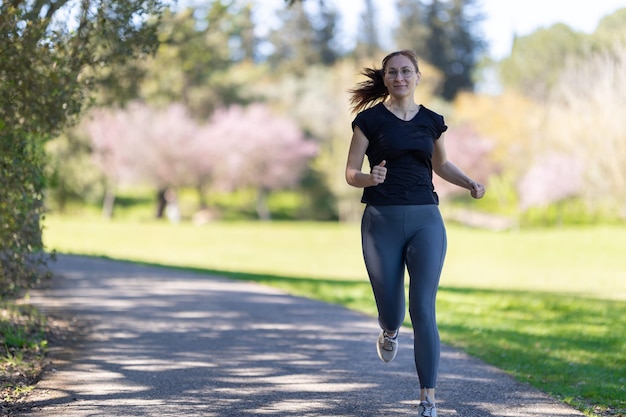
(169, 343)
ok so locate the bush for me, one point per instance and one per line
(22, 258)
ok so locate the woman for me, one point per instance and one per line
(401, 224)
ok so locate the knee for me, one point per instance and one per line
(421, 313)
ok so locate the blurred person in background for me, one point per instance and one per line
(401, 225)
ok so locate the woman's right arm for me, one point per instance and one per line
(354, 176)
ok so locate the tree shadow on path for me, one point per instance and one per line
(165, 342)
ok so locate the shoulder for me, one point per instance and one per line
(371, 111)
(431, 114)
(434, 119)
(368, 116)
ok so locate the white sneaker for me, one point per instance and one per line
(387, 347)
(427, 408)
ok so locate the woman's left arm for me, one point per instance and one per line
(451, 173)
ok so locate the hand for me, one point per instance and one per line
(379, 173)
(477, 189)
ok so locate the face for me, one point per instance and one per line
(400, 76)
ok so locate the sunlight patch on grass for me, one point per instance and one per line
(585, 261)
(572, 347)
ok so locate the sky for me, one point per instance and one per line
(504, 18)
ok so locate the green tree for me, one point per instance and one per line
(443, 33)
(368, 41)
(49, 51)
(196, 55)
(537, 60)
(70, 174)
(304, 39)
(326, 32)
(611, 30)
(412, 30)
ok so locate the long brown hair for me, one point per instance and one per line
(369, 92)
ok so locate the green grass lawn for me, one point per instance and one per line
(547, 306)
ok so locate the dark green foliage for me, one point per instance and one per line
(368, 42)
(304, 39)
(47, 64)
(193, 65)
(21, 255)
(444, 34)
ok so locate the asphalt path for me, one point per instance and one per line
(163, 342)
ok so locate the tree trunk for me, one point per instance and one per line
(201, 197)
(161, 203)
(262, 209)
(109, 203)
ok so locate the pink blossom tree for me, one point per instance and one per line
(142, 144)
(107, 130)
(471, 153)
(238, 148)
(259, 150)
(165, 144)
(203, 160)
(552, 178)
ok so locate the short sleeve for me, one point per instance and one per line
(442, 126)
(362, 124)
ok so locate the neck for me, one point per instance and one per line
(403, 105)
(405, 110)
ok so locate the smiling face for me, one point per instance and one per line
(400, 76)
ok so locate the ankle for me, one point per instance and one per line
(391, 335)
(427, 395)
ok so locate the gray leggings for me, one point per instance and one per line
(415, 236)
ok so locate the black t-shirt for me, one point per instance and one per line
(407, 147)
